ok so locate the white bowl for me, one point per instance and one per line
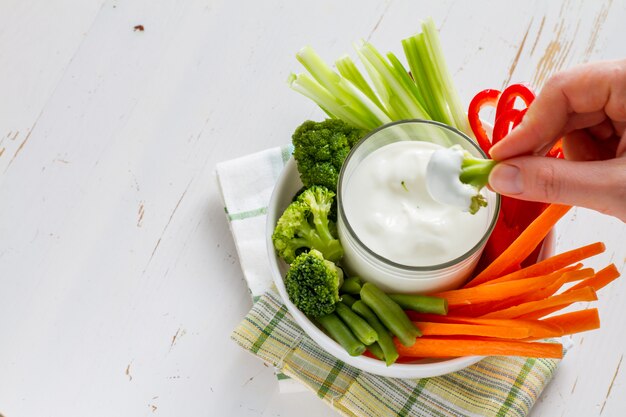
(288, 184)
(286, 187)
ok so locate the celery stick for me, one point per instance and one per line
(307, 86)
(437, 58)
(393, 93)
(349, 70)
(406, 80)
(341, 88)
(420, 75)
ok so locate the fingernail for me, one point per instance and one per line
(506, 179)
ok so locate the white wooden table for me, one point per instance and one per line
(119, 280)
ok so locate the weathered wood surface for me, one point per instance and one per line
(119, 280)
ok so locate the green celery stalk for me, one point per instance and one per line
(435, 86)
(307, 86)
(419, 73)
(399, 102)
(432, 77)
(407, 82)
(456, 110)
(391, 93)
(344, 91)
(349, 70)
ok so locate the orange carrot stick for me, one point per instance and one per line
(601, 279)
(524, 244)
(425, 347)
(531, 296)
(551, 289)
(495, 292)
(577, 321)
(569, 323)
(478, 310)
(551, 264)
(538, 329)
(514, 275)
(578, 275)
(561, 300)
(459, 329)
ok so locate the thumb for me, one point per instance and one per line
(598, 185)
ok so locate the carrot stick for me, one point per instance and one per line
(538, 329)
(472, 310)
(478, 310)
(561, 300)
(553, 282)
(515, 276)
(531, 296)
(551, 264)
(585, 273)
(456, 346)
(601, 279)
(523, 246)
(526, 297)
(577, 321)
(458, 329)
(495, 292)
(551, 286)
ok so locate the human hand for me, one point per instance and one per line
(586, 106)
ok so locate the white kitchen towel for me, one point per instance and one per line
(246, 184)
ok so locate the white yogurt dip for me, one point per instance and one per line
(443, 178)
(390, 210)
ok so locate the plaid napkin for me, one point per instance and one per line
(495, 386)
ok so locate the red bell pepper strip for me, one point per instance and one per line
(510, 94)
(503, 123)
(506, 114)
(515, 215)
(519, 117)
(506, 122)
(487, 97)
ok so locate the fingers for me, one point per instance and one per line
(619, 127)
(587, 91)
(615, 108)
(578, 121)
(621, 147)
(580, 146)
(603, 130)
(598, 185)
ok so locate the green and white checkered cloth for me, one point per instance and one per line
(495, 386)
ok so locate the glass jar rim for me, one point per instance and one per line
(381, 258)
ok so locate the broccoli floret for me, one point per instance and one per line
(320, 149)
(475, 172)
(312, 284)
(305, 225)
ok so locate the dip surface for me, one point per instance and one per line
(390, 210)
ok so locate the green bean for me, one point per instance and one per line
(348, 299)
(385, 340)
(421, 303)
(351, 285)
(376, 350)
(390, 313)
(341, 334)
(357, 325)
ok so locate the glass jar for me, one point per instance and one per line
(388, 275)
